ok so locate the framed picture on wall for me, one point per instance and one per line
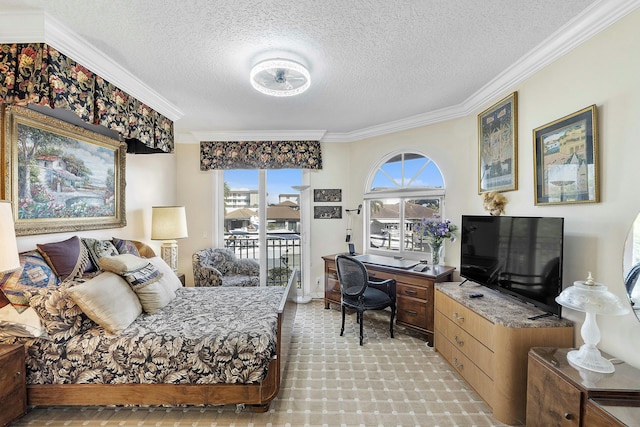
(566, 159)
(498, 146)
(61, 177)
(327, 212)
(327, 195)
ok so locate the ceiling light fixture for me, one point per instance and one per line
(280, 77)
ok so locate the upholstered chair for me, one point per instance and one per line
(221, 267)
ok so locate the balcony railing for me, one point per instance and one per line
(283, 253)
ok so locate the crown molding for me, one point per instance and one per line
(40, 27)
(259, 135)
(594, 19)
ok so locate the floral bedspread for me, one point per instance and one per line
(205, 335)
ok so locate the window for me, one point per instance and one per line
(405, 188)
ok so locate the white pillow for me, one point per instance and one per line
(169, 278)
(108, 300)
(24, 324)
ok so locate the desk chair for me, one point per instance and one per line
(361, 294)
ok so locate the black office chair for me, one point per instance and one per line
(361, 294)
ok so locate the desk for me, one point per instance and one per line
(414, 292)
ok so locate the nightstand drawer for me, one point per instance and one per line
(13, 388)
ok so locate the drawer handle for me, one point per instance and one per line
(459, 341)
(411, 312)
(17, 374)
(458, 317)
(568, 416)
(335, 291)
(457, 364)
(410, 292)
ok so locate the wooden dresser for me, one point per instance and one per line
(487, 340)
(414, 291)
(13, 383)
(559, 394)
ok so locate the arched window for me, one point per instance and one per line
(402, 190)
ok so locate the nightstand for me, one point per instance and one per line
(182, 279)
(13, 383)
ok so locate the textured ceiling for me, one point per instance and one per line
(372, 62)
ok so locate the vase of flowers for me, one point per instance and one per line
(435, 231)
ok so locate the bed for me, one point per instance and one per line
(206, 346)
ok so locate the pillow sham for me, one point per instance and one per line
(35, 274)
(68, 258)
(61, 317)
(107, 300)
(98, 249)
(125, 246)
(169, 278)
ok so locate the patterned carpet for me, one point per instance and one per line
(330, 381)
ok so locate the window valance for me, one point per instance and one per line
(37, 74)
(260, 155)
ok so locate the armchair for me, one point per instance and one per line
(221, 267)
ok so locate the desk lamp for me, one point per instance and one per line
(9, 259)
(592, 298)
(169, 223)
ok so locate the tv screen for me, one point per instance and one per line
(519, 256)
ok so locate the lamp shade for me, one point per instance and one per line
(9, 259)
(591, 297)
(168, 223)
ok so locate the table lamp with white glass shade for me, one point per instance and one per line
(169, 223)
(593, 299)
(9, 259)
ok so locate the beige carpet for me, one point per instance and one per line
(330, 381)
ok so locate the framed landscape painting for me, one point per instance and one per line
(566, 159)
(498, 146)
(61, 177)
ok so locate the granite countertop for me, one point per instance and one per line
(499, 308)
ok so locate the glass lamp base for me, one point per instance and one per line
(588, 357)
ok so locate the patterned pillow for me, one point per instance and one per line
(98, 249)
(125, 246)
(68, 258)
(60, 315)
(35, 274)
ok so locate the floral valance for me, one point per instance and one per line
(37, 74)
(260, 155)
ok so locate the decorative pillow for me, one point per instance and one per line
(125, 246)
(143, 277)
(98, 249)
(60, 315)
(107, 300)
(68, 258)
(34, 275)
(169, 278)
(24, 324)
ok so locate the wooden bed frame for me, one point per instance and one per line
(257, 396)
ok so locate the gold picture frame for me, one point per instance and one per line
(566, 159)
(60, 177)
(498, 146)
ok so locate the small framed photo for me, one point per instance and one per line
(327, 195)
(566, 159)
(498, 146)
(327, 212)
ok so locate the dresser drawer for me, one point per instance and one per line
(473, 375)
(474, 324)
(412, 311)
(469, 346)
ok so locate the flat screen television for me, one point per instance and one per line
(519, 256)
